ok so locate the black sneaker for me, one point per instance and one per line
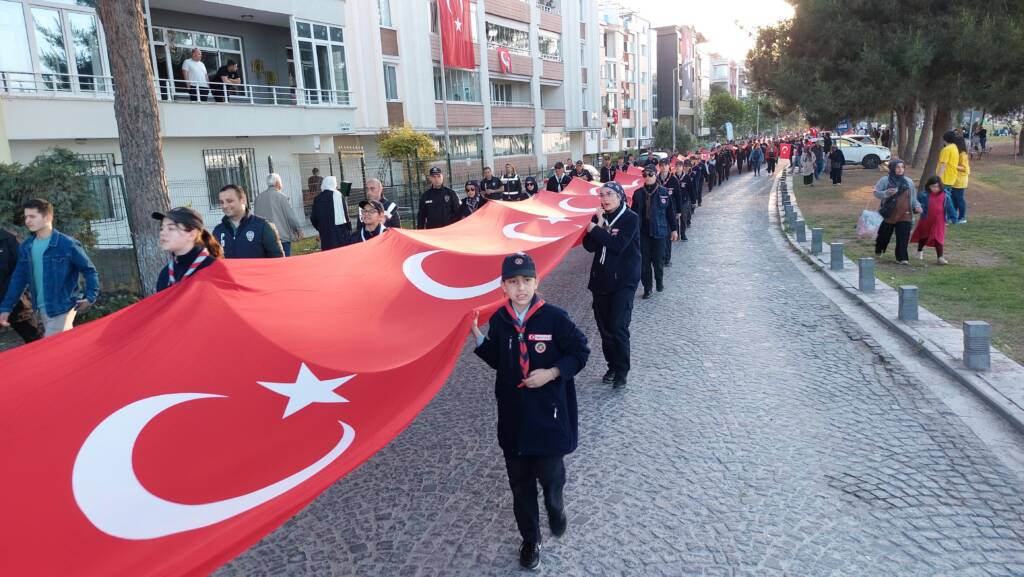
(647, 295)
(609, 377)
(619, 382)
(529, 555)
(668, 263)
(660, 288)
(558, 524)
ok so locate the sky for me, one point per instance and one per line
(717, 20)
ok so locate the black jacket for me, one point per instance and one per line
(554, 185)
(181, 264)
(256, 237)
(8, 261)
(585, 175)
(541, 421)
(608, 173)
(322, 218)
(621, 268)
(466, 210)
(662, 218)
(492, 187)
(438, 207)
(395, 221)
(363, 235)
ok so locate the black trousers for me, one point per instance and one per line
(28, 329)
(771, 166)
(613, 313)
(197, 93)
(902, 230)
(523, 474)
(837, 175)
(652, 258)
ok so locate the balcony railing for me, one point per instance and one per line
(549, 6)
(551, 57)
(102, 88)
(511, 104)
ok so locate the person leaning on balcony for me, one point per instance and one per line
(224, 81)
(197, 77)
(273, 205)
(330, 215)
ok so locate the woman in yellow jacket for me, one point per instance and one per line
(963, 170)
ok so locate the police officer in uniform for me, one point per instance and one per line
(613, 235)
(559, 180)
(653, 204)
(491, 186)
(581, 172)
(242, 234)
(439, 205)
(608, 170)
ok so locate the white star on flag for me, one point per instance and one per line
(306, 390)
(554, 219)
(458, 25)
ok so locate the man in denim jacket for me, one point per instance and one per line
(49, 264)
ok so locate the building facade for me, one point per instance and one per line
(627, 77)
(319, 79)
(682, 76)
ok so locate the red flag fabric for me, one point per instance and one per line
(785, 150)
(504, 60)
(456, 34)
(166, 438)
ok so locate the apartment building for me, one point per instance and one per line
(683, 74)
(627, 76)
(319, 80)
(725, 73)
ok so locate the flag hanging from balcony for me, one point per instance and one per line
(504, 60)
(456, 34)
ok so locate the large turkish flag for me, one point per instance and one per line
(456, 34)
(168, 437)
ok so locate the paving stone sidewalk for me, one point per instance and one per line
(762, 434)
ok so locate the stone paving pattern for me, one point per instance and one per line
(762, 434)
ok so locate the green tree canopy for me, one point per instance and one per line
(402, 142)
(663, 135)
(722, 108)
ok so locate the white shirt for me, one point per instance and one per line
(195, 72)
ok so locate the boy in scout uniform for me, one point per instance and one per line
(536, 350)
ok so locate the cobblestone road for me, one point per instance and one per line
(762, 434)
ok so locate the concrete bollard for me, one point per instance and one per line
(816, 236)
(908, 303)
(977, 339)
(866, 275)
(837, 256)
(801, 230)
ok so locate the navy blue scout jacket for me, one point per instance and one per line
(663, 214)
(558, 185)
(181, 264)
(256, 237)
(541, 421)
(621, 267)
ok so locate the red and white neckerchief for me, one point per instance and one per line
(524, 351)
(203, 255)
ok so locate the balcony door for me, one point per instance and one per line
(322, 63)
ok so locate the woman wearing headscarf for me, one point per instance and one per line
(473, 200)
(900, 219)
(330, 215)
(837, 160)
(190, 246)
(530, 186)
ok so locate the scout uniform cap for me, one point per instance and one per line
(518, 264)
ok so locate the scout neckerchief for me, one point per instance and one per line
(609, 225)
(203, 254)
(362, 232)
(520, 326)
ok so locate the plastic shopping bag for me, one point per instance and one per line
(868, 223)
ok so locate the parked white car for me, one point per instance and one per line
(868, 155)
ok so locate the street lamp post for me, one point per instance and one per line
(675, 104)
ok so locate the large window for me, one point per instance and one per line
(229, 166)
(550, 46)
(461, 85)
(513, 144)
(322, 63)
(556, 142)
(391, 82)
(463, 145)
(514, 39)
(384, 8)
(173, 47)
(505, 93)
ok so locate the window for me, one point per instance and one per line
(512, 38)
(173, 47)
(556, 142)
(68, 48)
(322, 63)
(504, 93)
(229, 166)
(384, 8)
(513, 144)
(104, 184)
(643, 50)
(461, 85)
(463, 145)
(390, 82)
(586, 99)
(550, 46)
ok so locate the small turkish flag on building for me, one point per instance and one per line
(504, 60)
(456, 34)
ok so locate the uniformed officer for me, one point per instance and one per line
(491, 186)
(668, 180)
(559, 180)
(536, 350)
(682, 197)
(581, 172)
(242, 234)
(614, 237)
(439, 205)
(608, 170)
(653, 204)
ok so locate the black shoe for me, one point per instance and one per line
(620, 381)
(686, 239)
(529, 555)
(558, 524)
(609, 377)
(668, 263)
(647, 295)
(660, 288)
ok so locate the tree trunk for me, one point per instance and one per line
(943, 120)
(138, 127)
(926, 135)
(910, 130)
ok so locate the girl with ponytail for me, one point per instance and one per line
(190, 245)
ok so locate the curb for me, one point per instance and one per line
(993, 393)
